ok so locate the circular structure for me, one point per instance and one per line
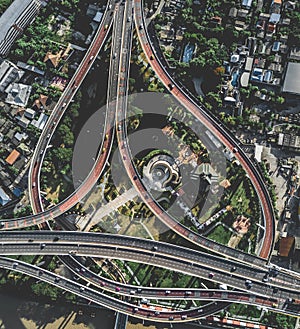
(160, 172)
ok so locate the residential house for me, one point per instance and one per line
(295, 53)
(59, 83)
(40, 123)
(240, 25)
(275, 7)
(274, 18)
(29, 113)
(9, 73)
(4, 198)
(30, 68)
(20, 136)
(53, 58)
(290, 5)
(233, 12)
(243, 13)
(247, 3)
(276, 46)
(23, 121)
(13, 156)
(18, 94)
(41, 103)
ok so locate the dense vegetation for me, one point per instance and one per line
(4, 4)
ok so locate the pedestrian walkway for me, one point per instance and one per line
(85, 224)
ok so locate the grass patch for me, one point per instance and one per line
(220, 234)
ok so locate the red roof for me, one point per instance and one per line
(11, 159)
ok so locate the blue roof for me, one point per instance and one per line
(275, 18)
(247, 3)
(276, 46)
(188, 53)
(4, 198)
(17, 192)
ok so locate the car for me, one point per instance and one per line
(102, 283)
(151, 57)
(82, 288)
(274, 272)
(171, 86)
(64, 104)
(135, 309)
(72, 252)
(56, 238)
(248, 283)
(141, 27)
(275, 290)
(42, 151)
(33, 184)
(211, 275)
(134, 178)
(124, 157)
(114, 55)
(1, 225)
(119, 127)
(40, 272)
(265, 278)
(154, 248)
(188, 293)
(168, 292)
(171, 318)
(15, 264)
(91, 58)
(48, 136)
(144, 301)
(82, 269)
(128, 19)
(132, 292)
(118, 288)
(139, 290)
(157, 313)
(110, 6)
(43, 245)
(30, 240)
(57, 279)
(233, 269)
(234, 150)
(183, 316)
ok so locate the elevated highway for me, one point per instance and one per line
(41, 216)
(227, 139)
(260, 293)
(79, 243)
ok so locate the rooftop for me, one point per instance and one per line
(40, 123)
(53, 58)
(292, 79)
(11, 159)
(11, 16)
(18, 94)
(9, 73)
(4, 198)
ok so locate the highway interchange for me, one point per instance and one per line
(278, 293)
